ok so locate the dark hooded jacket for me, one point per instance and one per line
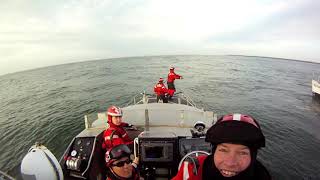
(255, 171)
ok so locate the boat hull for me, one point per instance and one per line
(315, 87)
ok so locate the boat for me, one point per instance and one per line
(166, 134)
(316, 85)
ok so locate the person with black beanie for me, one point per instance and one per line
(235, 140)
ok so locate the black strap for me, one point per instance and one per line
(111, 136)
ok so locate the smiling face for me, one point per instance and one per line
(231, 159)
(116, 120)
(125, 169)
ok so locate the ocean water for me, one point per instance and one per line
(48, 104)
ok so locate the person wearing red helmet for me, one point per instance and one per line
(235, 140)
(170, 82)
(160, 90)
(115, 134)
(119, 165)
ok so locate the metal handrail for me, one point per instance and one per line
(182, 96)
(5, 176)
(133, 100)
(189, 100)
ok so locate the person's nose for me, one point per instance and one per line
(127, 165)
(231, 159)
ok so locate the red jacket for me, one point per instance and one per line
(160, 89)
(187, 169)
(172, 76)
(115, 135)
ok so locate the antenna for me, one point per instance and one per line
(146, 123)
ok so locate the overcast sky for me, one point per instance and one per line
(37, 33)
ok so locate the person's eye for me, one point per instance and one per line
(222, 150)
(244, 153)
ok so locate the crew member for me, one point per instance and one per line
(119, 165)
(235, 139)
(161, 91)
(170, 82)
(115, 134)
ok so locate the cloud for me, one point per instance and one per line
(42, 33)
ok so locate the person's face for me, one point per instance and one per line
(116, 120)
(125, 169)
(231, 159)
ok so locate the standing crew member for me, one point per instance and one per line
(161, 91)
(235, 140)
(170, 82)
(115, 134)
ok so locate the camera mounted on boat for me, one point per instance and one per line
(198, 129)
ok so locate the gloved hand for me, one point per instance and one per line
(132, 127)
(136, 160)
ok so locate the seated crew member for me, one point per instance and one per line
(119, 165)
(161, 91)
(235, 139)
(115, 133)
(170, 82)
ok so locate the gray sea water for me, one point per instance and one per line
(48, 104)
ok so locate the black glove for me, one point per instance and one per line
(130, 126)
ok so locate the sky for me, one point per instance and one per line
(39, 33)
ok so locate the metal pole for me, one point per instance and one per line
(146, 115)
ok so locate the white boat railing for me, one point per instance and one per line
(189, 100)
(89, 119)
(315, 77)
(179, 98)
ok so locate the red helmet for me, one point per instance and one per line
(161, 80)
(236, 128)
(113, 111)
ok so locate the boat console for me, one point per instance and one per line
(156, 153)
(83, 159)
(160, 153)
